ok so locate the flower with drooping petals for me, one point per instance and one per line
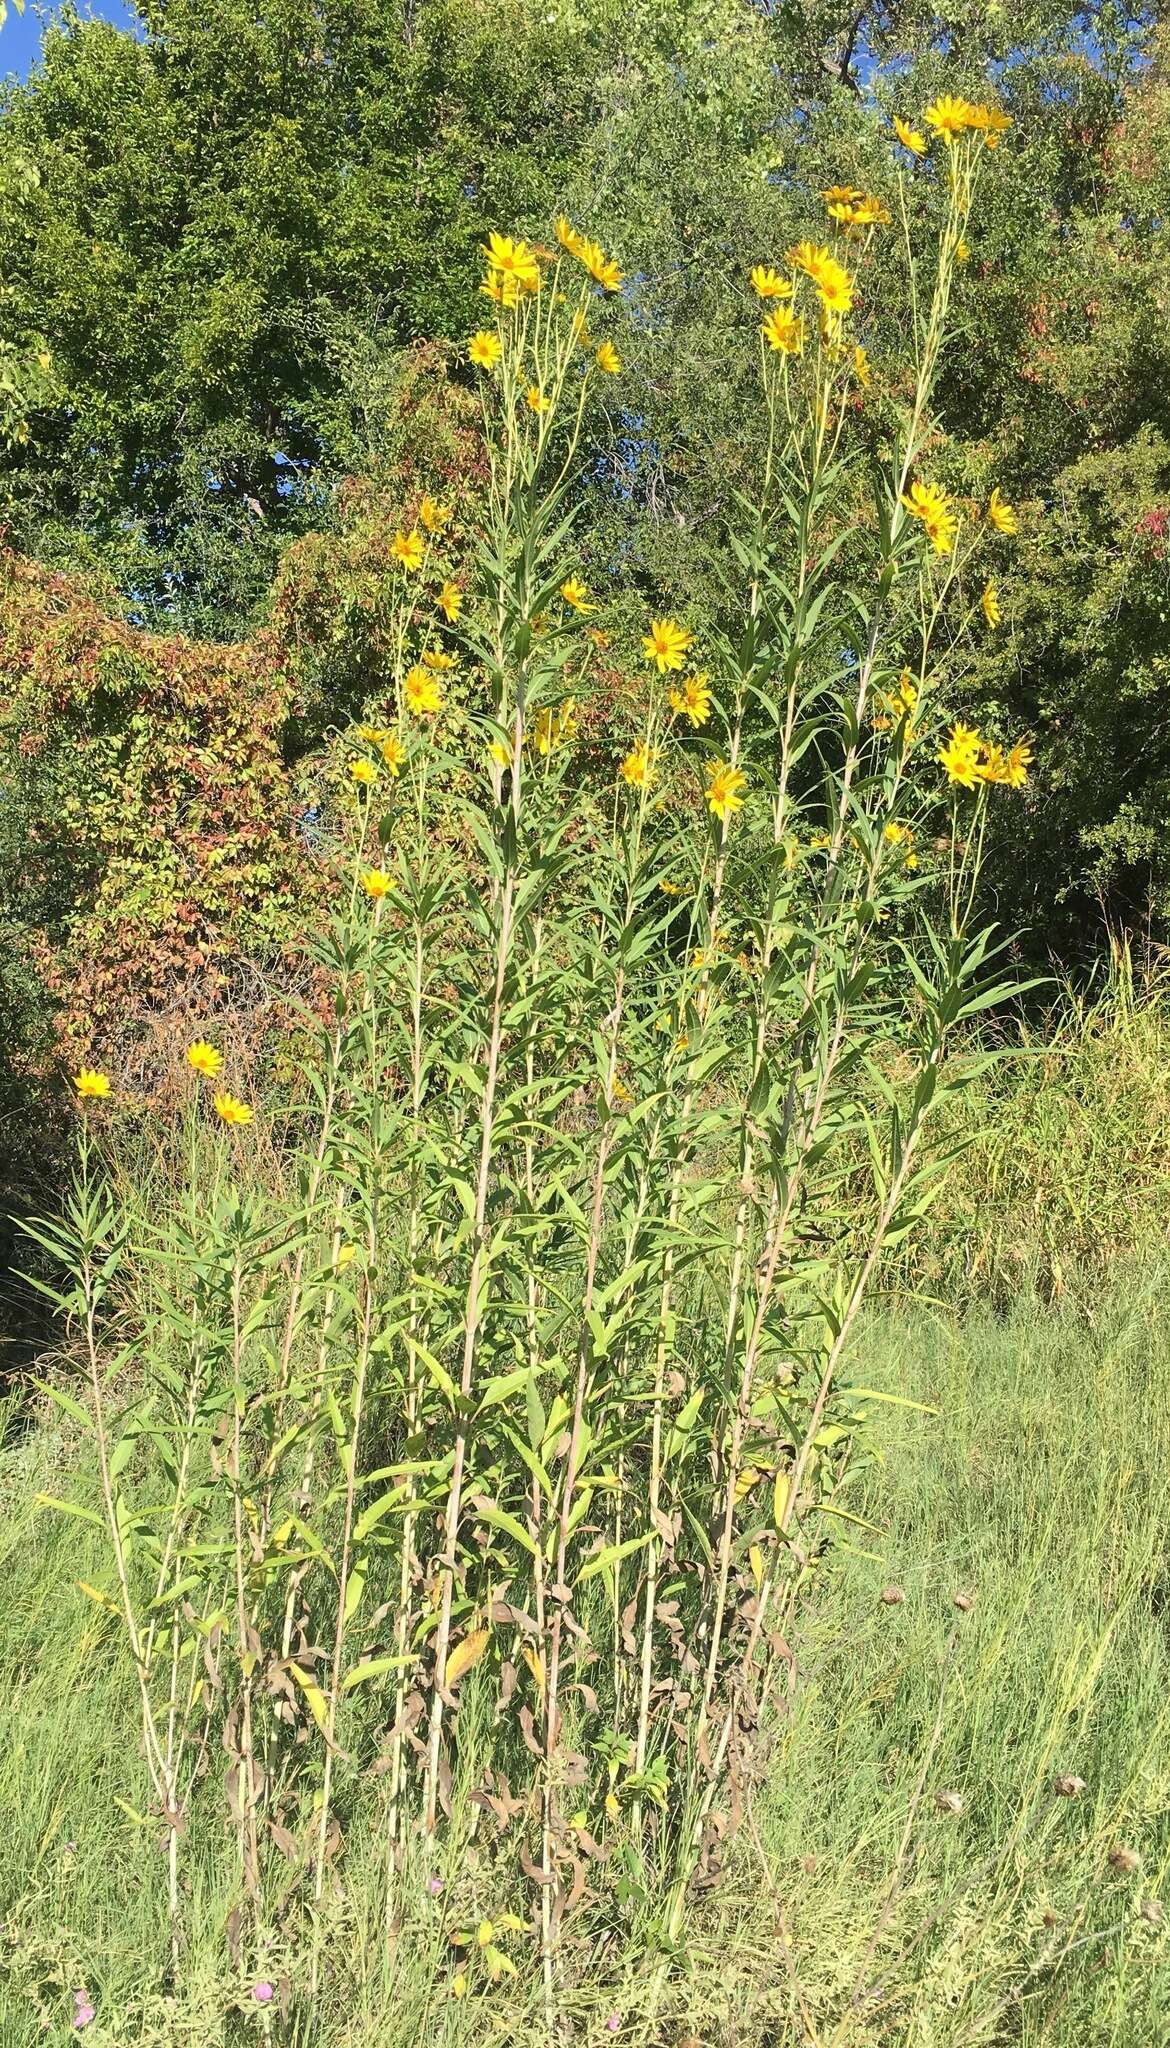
(204, 1059)
(485, 349)
(568, 237)
(854, 209)
(989, 122)
(666, 644)
(960, 756)
(1000, 514)
(909, 137)
(552, 729)
(990, 603)
(513, 261)
(432, 514)
(600, 267)
(725, 787)
(692, 699)
(91, 1085)
(638, 766)
(502, 291)
(608, 359)
(575, 594)
(768, 283)
(407, 548)
(783, 331)
(422, 692)
(231, 1111)
(450, 602)
(535, 399)
(393, 753)
(363, 773)
(931, 505)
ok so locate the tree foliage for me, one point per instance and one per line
(223, 241)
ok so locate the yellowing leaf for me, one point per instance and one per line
(95, 1593)
(318, 1705)
(535, 1663)
(466, 1654)
(744, 1484)
(756, 1557)
(780, 1499)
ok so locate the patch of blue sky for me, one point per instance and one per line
(22, 34)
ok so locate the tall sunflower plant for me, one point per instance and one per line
(498, 1419)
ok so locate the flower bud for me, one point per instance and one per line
(892, 1596)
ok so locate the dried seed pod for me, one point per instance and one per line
(1153, 1911)
(892, 1596)
(964, 1602)
(1125, 1860)
(949, 1802)
(1067, 1786)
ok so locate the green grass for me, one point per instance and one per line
(1064, 1173)
(1041, 1486)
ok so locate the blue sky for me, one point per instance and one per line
(20, 38)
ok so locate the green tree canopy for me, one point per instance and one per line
(221, 240)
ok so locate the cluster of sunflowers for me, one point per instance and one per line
(786, 331)
(203, 1059)
(940, 522)
(897, 705)
(947, 119)
(667, 646)
(422, 685)
(970, 760)
(515, 271)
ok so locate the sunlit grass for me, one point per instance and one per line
(1041, 1487)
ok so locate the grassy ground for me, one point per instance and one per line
(852, 1907)
(1065, 1166)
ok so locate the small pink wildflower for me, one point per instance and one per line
(84, 2011)
(435, 1887)
(262, 1993)
(613, 2023)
